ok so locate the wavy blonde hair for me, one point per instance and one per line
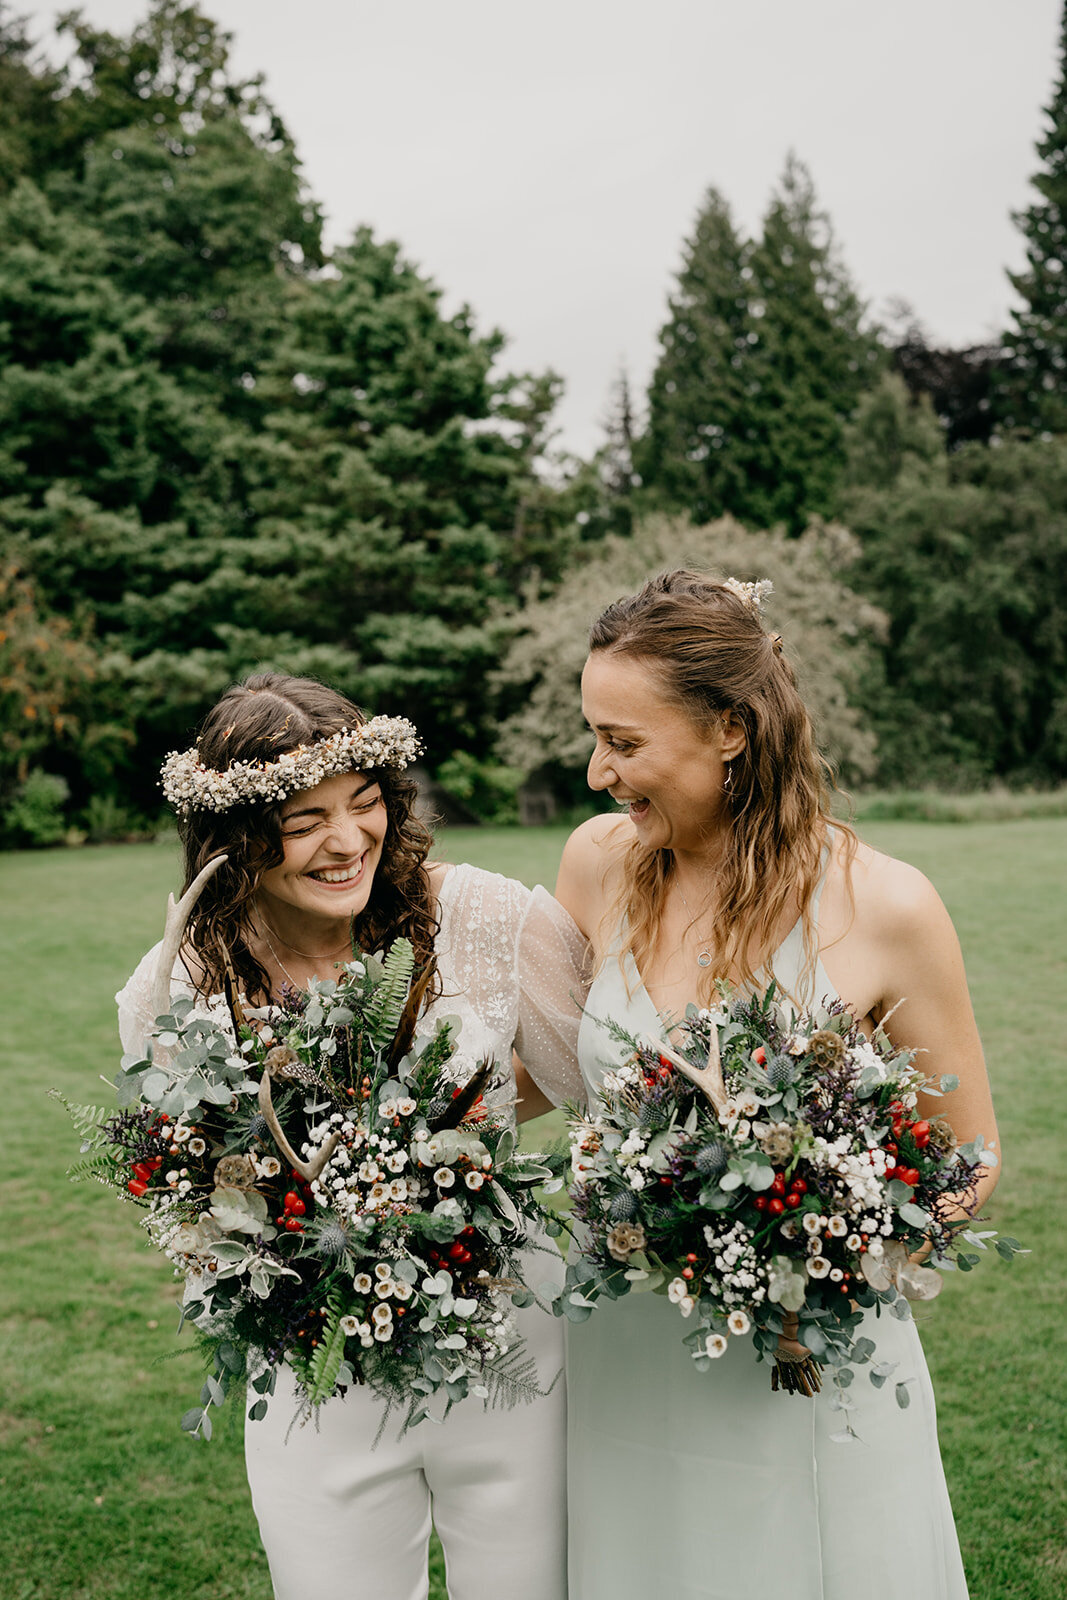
(708, 649)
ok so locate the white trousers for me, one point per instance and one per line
(340, 1520)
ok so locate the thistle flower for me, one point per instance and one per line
(781, 1071)
(334, 1239)
(711, 1160)
(623, 1207)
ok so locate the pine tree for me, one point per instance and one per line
(811, 359)
(603, 488)
(1033, 393)
(762, 362)
(696, 453)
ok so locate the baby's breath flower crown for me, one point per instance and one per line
(751, 595)
(381, 742)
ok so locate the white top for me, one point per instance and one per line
(510, 962)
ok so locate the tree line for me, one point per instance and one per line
(222, 446)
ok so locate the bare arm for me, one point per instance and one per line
(531, 1101)
(924, 979)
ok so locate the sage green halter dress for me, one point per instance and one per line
(706, 1486)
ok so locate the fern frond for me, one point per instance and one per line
(512, 1380)
(101, 1165)
(86, 1119)
(387, 1003)
(326, 1362)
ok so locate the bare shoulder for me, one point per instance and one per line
(896, 898)
(590, 868)
(437, 872)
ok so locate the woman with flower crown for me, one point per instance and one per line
(311, 806)
(726, 866)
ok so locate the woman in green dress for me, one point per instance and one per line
(705, 1485)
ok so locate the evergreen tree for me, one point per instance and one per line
(1033, 393)
(696, 454)
(604, 487)
(811, 358)
(762, 361)
(968, 554)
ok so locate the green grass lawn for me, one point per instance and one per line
(106, 1500)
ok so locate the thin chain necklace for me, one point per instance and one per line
(303, 954)
(704, 953)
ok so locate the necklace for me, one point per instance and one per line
(704, 953)
(303, 954)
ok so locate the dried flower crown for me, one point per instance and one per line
(381, 742)
(751, 595)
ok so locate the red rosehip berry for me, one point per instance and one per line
(142, 1170)
(293, 1225)
(691, 1258)
(920, 1132)
(667, 1181)
(687, 1272)
(792, 1200)
(294, 1204)
(760, 1202)
(798, 1186)
(455, 1250)
(775, 1207)
(778, 1183)
(760, 1057)
(137, 1186)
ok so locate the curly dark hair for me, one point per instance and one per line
(258, 720)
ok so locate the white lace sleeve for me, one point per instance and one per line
(135, 1001)
(553, 983)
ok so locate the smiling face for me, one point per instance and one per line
(667, 768)
(332, 837)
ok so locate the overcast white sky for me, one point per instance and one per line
(544, 161)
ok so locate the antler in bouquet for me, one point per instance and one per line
(174, 932)
(709, 1078)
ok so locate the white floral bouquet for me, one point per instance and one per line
(335, 1193)
(770, 1173)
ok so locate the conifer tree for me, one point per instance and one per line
(696, 453)
(762, 362)
(811, 359)
(1033, 392)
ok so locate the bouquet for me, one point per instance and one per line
(335, 1193)
(770, 1172)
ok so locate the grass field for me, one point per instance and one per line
(106, 1500)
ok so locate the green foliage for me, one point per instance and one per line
(968, 554)
(1032, 392)
(485, 789)
(827, 628)
(263, 458)
(36, 815)
(698, 452)
(761, 364)
(387, 1006)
